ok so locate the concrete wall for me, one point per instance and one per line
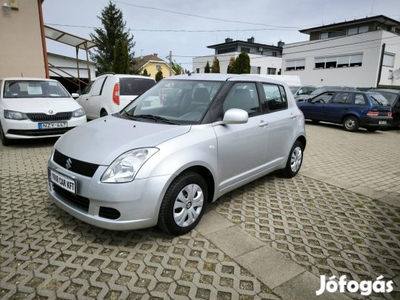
(368, 44)
(21, 50)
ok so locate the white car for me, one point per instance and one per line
(109, 93)
(36, 108)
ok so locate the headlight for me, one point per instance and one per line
(126, 166)
(14, 115)
(78, 113)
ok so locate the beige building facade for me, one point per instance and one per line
(23, 46)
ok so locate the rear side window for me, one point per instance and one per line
(359, 99)
(275, 97)
(342, 98)
(95, 90)
(134, 86)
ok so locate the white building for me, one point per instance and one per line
(264, 59)
(362, 53)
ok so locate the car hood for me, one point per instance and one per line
(44, 105)
(101, 141)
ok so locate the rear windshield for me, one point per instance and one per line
(34, 89)
(134, 86)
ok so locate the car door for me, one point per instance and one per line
(241, 147)
(91, 100)
(316, 109)
(338, 106)
(281, 123)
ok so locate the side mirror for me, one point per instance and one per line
(234, 116)
(75, 95)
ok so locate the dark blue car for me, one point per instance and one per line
(353, 109)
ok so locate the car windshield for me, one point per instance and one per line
(173, 101)
(34, 89)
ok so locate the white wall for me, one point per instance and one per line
(369, 44)
(69, 65)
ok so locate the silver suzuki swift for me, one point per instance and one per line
(180, 145)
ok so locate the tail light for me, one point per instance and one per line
(115, 95)
(389, 114)
(373, 113)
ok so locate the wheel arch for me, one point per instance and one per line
(206, 175)
(349, 114)
(303, 141)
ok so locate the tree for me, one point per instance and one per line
(215, 66)
(178, 69)
(207, 68)
(121, 64)
(231, 66)
(242, 64)
(159, 75)
(106, 38)
(144, 73)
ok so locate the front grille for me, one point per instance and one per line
(39, 132)
(76, 166)
(76, 200)
(41, 117)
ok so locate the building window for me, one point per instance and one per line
(197, 70)
(245, 49)
(271, 71)
(274, 54)
(388, 60)
(356, 30)
(342, 61)
(331, 34)
(298, 64)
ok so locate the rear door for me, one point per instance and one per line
(340, 105)
(91, 100)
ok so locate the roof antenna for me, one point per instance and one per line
(372, 7)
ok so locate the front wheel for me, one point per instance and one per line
(350, 123)
(183, 204)
(294, 161)
(5, 141)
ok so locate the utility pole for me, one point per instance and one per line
(170, 63)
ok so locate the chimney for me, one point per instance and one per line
(280, 44)
(228, 40)
(251, 40)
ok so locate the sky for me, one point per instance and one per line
(186, 27)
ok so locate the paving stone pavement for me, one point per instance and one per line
(271, 239)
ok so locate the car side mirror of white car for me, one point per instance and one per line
(234, 116)
(75, 95)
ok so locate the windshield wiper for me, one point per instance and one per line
(153, 117)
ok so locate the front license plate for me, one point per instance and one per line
(52, 125)
(382, 122)
(62, 181)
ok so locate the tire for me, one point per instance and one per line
(103, 113)
(183, 204)
(350, 123)
(5, 141)
(294, 161)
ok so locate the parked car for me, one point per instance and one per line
(353, 109)
(322, 89)
(36, 108)
(161, 162)
(109, 93)
(302, 91)
(393, 96)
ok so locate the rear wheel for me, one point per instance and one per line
(183, 204)
(103, 113)
(294, 161)
(350, 123)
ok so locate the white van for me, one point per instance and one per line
(109, 93)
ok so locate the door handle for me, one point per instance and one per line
(263, 124)
(293, 117)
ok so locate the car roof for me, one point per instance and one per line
(124, 76)
(224, 77)
(26, 78)
(385, 90)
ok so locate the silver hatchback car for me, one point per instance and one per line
(180, 145)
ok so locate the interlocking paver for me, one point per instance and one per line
(323, 220)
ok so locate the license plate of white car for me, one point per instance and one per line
(382, 122)
(62, 181)
(51, 125)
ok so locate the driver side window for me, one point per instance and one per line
(244, 96)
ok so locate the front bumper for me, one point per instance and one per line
(122, 206)
(26, 129)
